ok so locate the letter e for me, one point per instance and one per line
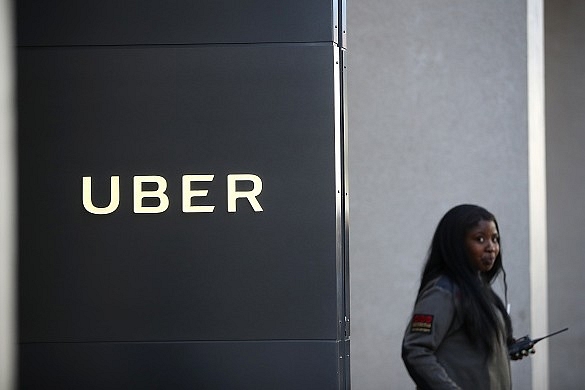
(188, 194)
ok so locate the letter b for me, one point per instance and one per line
(140, 194)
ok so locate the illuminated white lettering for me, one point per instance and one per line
(188, 194)
(114, 196)
(140, 194)
(154, 188)
(233, 194)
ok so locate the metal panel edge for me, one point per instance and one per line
(342, 23)
(342, 214)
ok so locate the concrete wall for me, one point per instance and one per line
(565, 92)
(7, 206)
(437, 117)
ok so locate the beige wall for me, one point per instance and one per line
(565, 96)
(437, 116)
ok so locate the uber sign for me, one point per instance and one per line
(163, 200)
(182, 190)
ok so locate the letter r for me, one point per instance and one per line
(233, 194)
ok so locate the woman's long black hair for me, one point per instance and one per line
(448, 256)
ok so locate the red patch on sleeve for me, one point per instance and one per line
(421, 323)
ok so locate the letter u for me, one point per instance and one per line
(114, 196)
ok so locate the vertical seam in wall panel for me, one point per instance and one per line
(338, 192)
(537, 191)
(340, 217)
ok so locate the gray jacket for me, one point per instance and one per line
(437, 352)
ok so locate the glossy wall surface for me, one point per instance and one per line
(248, 291)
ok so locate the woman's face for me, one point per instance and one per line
(483, 245)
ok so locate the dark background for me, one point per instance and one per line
(194, 300)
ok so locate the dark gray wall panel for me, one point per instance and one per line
(112, 22)
(266, 110)
(239, 300)
(227, 365)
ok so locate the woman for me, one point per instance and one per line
(460, 331)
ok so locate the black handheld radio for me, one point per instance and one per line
(523, 346)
